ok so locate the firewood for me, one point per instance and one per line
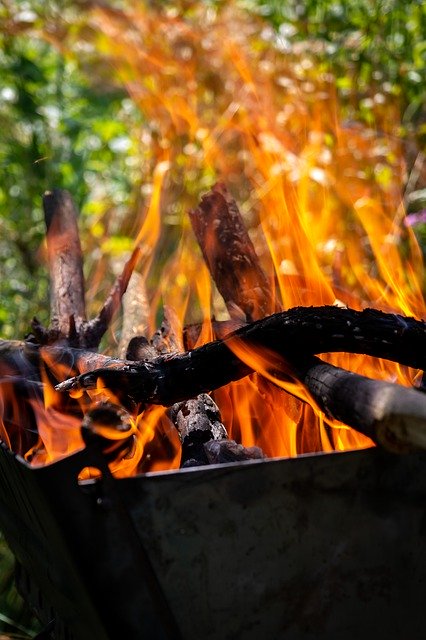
(135, 313)
(389, 414)
(384, 411)
(96, 328)
(65, 263)
(360, 408)
(292, 334)
(222, 451)
(197, 420)
(230, 256)
(67, 303)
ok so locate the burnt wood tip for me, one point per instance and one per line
(58, 201)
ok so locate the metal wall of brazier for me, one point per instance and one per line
(322, 547)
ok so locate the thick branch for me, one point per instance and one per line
(389, 414)
(292, 334)
(230, 255)
(369, 406)
(65, 262)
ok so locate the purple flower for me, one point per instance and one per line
(415, 218)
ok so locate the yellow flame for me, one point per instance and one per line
(221, 101)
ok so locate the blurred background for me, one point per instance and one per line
(315, 109)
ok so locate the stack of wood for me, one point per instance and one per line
(167, 370)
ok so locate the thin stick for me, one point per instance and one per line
(97, 327)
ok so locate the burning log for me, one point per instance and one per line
(355, 400)
(198, 421)
(389, 414)
(67, 291)
(230, 256)
(290, 335)
(67, 305)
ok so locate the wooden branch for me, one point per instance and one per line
(197, 420)
(291, 334)
(65, 263)
(389, 414)
(135, 313)
(96, 328)
(67, 305)
(363, 404)
(230, 256)
(168, 380)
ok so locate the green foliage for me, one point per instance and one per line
(373, 47)
(15, 617)
(58, 130)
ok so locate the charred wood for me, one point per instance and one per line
(223, 451)
(230, 256)
(197, 420)
(377, 409)
(291, 334)
(391, 415)
(65, 263)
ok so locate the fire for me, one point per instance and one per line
(221, 101)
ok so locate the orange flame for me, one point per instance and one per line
(322, 199)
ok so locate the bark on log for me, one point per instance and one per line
(198, 420)
(67, 304)
(389, 414)
(295, 333)
(65, 263)
(291, 334)
(360, 408)
(230, 256)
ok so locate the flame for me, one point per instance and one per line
(323, 198)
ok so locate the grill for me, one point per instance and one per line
(324, 546)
